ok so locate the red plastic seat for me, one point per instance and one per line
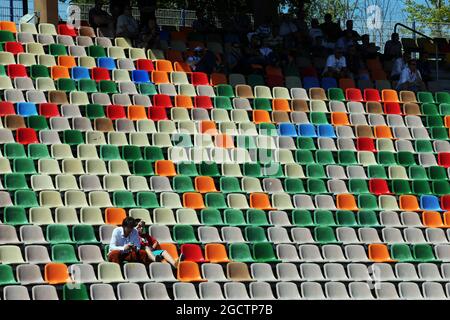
(13, 47)
(444, 159)
(378, 187)
(392, 108)
(445, 202)
(162, 100)
(17, 71)
(157, 113)
(98, 74)
(372, 95)
(66, 30)
(6, 108)
(203, 102)
(365, 144)
(199, 78)
(144, 64)
(49, 110)
(115, 111)
(26, 136)
(353, 94)
(274, 80)
(192, 252)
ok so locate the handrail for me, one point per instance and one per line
(425, 36)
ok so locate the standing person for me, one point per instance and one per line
(151, 246)
(125, 244)
(147, 9)
(331, 30)
(410, 78)
(116, 8)
(101, 20)
(150, 35)
(127, 26)
(393, 47)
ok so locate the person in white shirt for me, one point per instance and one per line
(125, 244)
(127, 26)
(336, 65)
(399, 64)
(410, 78)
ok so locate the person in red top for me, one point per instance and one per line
(152, 247)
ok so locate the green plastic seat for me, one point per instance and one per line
(73, 137)
(376, 172)
(442, 97)
(368, 202)
(58, 233)
(325, 157)
(430, 109)
(2, 67)
(386, 158)
(316, 186)
(39, 71)
(434, 121)
(15, 216)
(423, 252)
(229, 185)
(345, 218)
(153, 153)
(211, 217)
(293, 186)
(76, 293)
(425, 97)
(367, 218)
(437, 173)
(262, 104)
(421, 187)
(264, 252)
(401, 252)
(64, 253)
(38, 151)
(109, 152)
(215, 200)
(417, 173)
(315, 171)
(304, 157)
(143, 168)
(255, 234)
(56, 49)
(14, 151)
(83, 234)
(324, 235)
(87, 85)
(184, 234)
(324, 218)
(123, 199)
(336, 94)
(94, 111)
(257, 217)
(131, 153)
(6, 275)
(441, 187)
(401, 187)
(318, 118)
(147, 89)
(66, 85)
(188, 169)
(251, 169)
(96, 51)
(147, 200)
(25, 199)
(267, 129)
(182, 184)
(439, 133)
(240, 252)
(6, 36)
(37, 122)
(234, 217)
(358, 186)
(107, 86)
(423, 146)
(444, 109)
(15, 181)
(306, 143)
(347, 157)
(224, 90)
(209, 169)
(302, 218)
(406, 159)
(222, 103)
(255, 80)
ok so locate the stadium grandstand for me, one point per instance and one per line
(161, 154)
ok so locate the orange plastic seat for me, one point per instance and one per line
(137, 112)
(261, 116)
(188, 271)
(346, 83)
(115, 216)
(379, 253)
(339, 119)
(170, 248)
(8, 26)
(389, 95)
(184, 102)
(432, 219)
(383, 132)
(159, 77)
(273, 71)
(165, 168)
(280, 105)
(447, 121)
(218, 78)
(174, 55)
(164, 65)
(260, 201)
(409, 203)
(346, 202)
(193, 200)
(182, 67)
(59, 72)
(208, 127)
(224, 141)
(205, 184)
(216, 253)
(447, 219)
(67, 61)
(56, 273)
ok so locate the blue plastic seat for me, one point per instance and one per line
(431, 203)
(106, 62)
(140, 76)
(310, 82)
(164, 35)
(26, 109)
(287, 130)
(326, 131)
(328, 83)
(307, 130)
(79, 73)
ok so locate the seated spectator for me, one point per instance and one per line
(202, 61)
(127, 26)
(393, 47)
(367, 49)
(263, 31)
(346, 41)
(410, 78)
(355, 65)
(315, 32)
(424, 66)
(151, 246)
(117, 8)
(331, 30)
(147, 10)
(150, 35)
(102, 20)
(234, 57)
(125, 244)
(336, 65)
(349, 28)
(399, 64)
(202, 24)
